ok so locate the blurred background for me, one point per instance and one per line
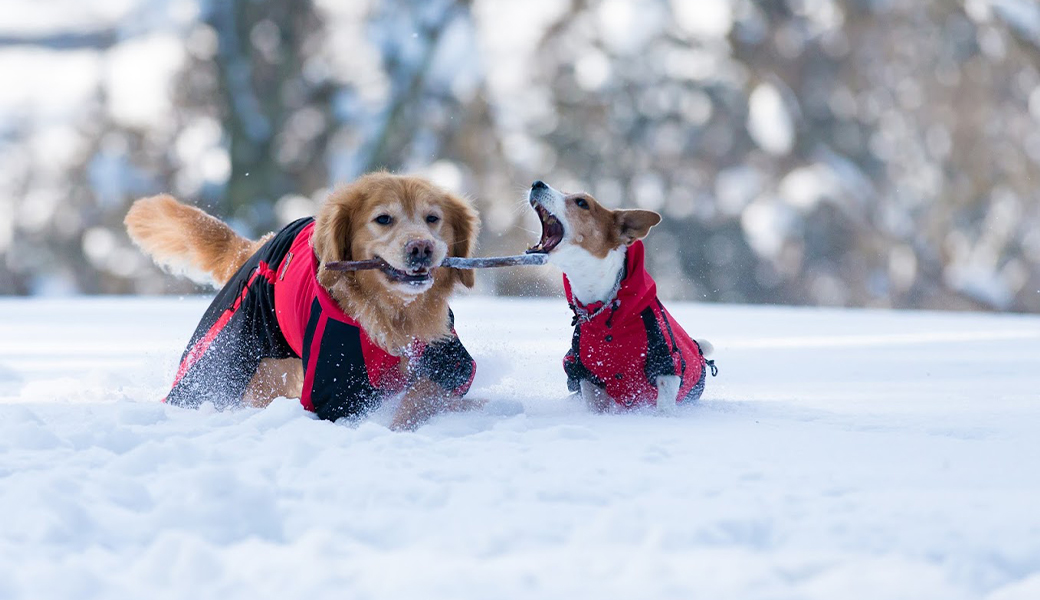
(825, 152)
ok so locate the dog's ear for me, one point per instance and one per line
(634, 224)
(464, 226)
(333, 230)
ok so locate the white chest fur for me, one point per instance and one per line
(592, 279)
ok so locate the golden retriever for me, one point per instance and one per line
(284, 325)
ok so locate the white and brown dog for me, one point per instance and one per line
(627, 351)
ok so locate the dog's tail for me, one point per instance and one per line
(186, 240)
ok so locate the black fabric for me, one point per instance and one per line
(658, 351)
(222, 372)
(341, 387)
(671, 335)
(446, 363)
(278, 246)
(697, 390)
(575, 369)
(310, 330)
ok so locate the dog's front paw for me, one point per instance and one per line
(596, 398)
(668, 392)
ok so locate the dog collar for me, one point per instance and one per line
(582, 314)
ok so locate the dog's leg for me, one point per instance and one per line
(667, 392)
(273, 378)
(595, 397)
(419, 403)
(426, 399)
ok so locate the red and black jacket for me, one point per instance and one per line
(623, 345)
(274, 307)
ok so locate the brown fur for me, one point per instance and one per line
(178, 236)
(426, 399)
(275, 377)
(344, 231)
(599, 229)
(633, 224)
(175, 235)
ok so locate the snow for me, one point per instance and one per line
(711, 19)
(132, 71)
(627, 26)
(769, 122)
(839, 454)
(53, 85)
(139, 76)
(35, 17)
(1022, 15)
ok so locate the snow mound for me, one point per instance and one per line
(839, 454)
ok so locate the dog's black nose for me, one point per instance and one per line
(538, 185)
(418, 253)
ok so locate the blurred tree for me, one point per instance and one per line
(833, 152)
(275, 108)
(841, 152)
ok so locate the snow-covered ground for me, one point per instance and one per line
(839, 454)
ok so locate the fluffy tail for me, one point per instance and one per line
(186, 240)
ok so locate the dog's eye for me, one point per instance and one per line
(431, 219)
(581, 203)
(384, 219)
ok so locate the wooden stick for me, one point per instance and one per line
(356, 265)
(455, 262)
(520, 260)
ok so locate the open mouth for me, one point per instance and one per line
(552, 231)
(415, 277)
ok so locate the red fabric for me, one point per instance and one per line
(295, 290)
(308, 369)
(617, 354)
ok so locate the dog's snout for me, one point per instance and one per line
(539, 185)
(418, 253)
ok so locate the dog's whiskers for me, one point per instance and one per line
(521, 208)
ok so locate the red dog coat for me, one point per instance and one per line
(624, 345)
